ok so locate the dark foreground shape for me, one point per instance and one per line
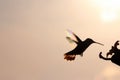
(80, 48)
(115, 52)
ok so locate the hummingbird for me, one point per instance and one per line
(80, 48)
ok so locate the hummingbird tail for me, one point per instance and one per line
(69, 57)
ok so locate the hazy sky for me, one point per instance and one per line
(33, 41)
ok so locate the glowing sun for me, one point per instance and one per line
(108, 9)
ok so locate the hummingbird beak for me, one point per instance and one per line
(99, 43)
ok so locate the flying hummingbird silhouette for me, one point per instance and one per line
(80, 48)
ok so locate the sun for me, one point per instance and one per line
(108, 16)
(108, 9)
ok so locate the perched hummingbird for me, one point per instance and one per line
(80, 48)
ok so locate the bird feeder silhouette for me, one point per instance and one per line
(115, 54)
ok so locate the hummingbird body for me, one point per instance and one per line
(80, 48)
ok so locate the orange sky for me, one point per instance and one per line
(33, 39)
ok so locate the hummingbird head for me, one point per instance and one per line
(89, 40)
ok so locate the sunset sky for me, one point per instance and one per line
(33, 43)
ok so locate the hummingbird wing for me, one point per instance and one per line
(77, 38)
(71, 40)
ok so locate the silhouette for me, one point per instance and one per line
(80, 48)
(115, 52)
